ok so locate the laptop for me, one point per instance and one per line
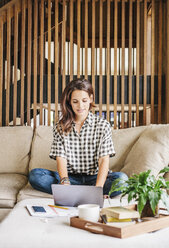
(74, 195)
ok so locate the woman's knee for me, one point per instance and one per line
(41, 179)
(118, 175)
(33, 175)
(123, 176)
(35, 172)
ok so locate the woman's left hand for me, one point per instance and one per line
(106, 196)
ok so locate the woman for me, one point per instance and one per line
(82, 144)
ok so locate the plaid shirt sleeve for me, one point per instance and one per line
(106, 146)
(57, 147)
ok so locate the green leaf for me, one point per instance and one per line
(117, 185)
(141, 202)
(166, 169)
(131, 195)
(154, 198)
(143, 176)
(167, 183)
(161, 183)
(151, 180)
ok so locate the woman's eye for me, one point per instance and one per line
(84, 100)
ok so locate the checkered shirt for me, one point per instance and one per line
(82, 151)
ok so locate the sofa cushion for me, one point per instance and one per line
(123, 140)
(28, 192)
(4, 213)
(41, 145)
(15, 149)
(151, 151)
(10, 184)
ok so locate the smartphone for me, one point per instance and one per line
(39, 209)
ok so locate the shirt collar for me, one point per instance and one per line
(88, 120)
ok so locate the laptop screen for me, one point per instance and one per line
(74, 195)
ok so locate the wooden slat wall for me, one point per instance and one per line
(1, 67)
(152, 59)
(160, 63)
(86, 39)
(49, 60)
(93, 44)
(96, 30)
(41, 57)
(115, 60)
(63, 44)
(8, 64)
(78, 36)
(167, 78)
(22, 60)
(145, 63)
(15, 62)
(29, 62)
(71, 39)
(123, 63)
(130, 61)
(56, 61)
(108, 62)
(137, 62)
(35, 61)
(100, 57)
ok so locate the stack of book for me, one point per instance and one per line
(119, 215)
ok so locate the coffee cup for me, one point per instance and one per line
(90, 212)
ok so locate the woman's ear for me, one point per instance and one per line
(91, 98)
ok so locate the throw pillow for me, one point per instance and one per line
(123, 140)
(151, 151)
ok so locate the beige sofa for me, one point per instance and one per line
(22, 149)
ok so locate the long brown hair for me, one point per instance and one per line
(66, 108)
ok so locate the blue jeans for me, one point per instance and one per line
(42, 179)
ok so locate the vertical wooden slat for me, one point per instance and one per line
(160, 62)
(56, 61)
(108, 61)
(49, 60)
(71, 40)
(8, 64)
(115, 61)
(145, 63)
(22, 60)
(86, 39)
(78, 36)
(130, 61)
(35, 61)
(123, 63)
(152, 58)
(137, 62)
(93, 45)
(29, 60)
(41, 57)
(167, 72)
(63, 44)
(1, 67)
(15, 63)
(100, 58)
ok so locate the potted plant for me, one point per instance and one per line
(146, 189)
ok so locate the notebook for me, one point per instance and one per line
(74, 195)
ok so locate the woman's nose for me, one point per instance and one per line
(80, 104)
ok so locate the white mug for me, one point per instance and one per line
(90, 212)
